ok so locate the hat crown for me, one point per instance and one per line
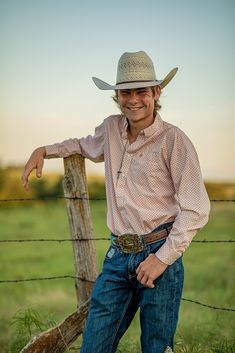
(134, 67)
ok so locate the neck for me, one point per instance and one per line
(135, 128)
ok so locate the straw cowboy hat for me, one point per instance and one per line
(135, 70)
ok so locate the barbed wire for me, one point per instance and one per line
(50, 240)
(48, 198)
(14, 281)
(45, 278)
(207, 306)
(95, 239)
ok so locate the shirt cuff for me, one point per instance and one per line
(167, 255)
(52, 151)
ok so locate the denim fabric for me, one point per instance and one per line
(116, 296)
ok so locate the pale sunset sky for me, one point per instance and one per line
(50, 49)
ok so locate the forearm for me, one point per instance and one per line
(63, 149)
(185, 227)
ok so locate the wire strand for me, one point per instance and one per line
(206, 305)
(48, 198)
(44, 279)
(45, 240)
(14, 281)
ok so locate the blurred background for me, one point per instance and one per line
(50, 49)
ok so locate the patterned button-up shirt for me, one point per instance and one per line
(152, 181)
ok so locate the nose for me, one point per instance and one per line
(133, 98)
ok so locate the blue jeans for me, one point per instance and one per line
(116, 296)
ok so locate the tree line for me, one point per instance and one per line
(51, 186)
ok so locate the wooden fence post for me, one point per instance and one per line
(58, 339)
(78, 209)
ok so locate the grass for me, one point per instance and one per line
(209, 276)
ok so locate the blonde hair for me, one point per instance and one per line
(157, 105)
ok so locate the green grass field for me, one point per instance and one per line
(209, 276)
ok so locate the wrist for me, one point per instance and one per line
(161, 262)
(41, 150)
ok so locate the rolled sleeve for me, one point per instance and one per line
(91, 147)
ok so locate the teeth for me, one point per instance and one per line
(134, 108)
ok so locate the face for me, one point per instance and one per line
(138, 104)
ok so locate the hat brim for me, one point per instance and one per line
(136, 84)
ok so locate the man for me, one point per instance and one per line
(156, 203)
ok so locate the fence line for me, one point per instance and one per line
(45, 240)
(13, 281)
(45, 278)
(48, 198)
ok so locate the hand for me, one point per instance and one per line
(35, 161)
(150, 269)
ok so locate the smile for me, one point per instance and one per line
(134, 108)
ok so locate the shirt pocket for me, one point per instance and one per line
(145, 165)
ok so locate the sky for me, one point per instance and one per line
(50, 49)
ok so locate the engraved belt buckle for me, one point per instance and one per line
(130, 243)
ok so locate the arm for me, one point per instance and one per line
(194, 205)
(191, 196)
(91, 147)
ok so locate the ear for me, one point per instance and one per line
(157, 92)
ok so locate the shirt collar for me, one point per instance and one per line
(156, 126)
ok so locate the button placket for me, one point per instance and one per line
(121, 181)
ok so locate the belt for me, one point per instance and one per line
(133, 243)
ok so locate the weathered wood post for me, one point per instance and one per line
(78, 209)
(58, 339)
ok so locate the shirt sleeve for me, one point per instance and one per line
(91, 147)
(191, 195)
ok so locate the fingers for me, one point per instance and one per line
(149, 270)
(144, 277)
(36, 161)
(24, 180)
(39, 168)
(146, 280)
(27, 171)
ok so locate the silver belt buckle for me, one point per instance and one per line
(130, 243)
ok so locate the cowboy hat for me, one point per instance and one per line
(135, 70)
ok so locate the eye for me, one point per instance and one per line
(124, 93)
(142, 90)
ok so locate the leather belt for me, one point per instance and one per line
(133, 243)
